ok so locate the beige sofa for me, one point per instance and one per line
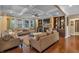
(44, 41)
(7, 42)
(5, 45)
(24, 32)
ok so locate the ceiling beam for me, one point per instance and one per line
(23, 11)
(60, 9)
(26, 9)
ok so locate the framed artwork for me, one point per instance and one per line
(72, 23)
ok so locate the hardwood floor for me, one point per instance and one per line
(14, 50)
(72, 44)
(55, 48)
(69, 45)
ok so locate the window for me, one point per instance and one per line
(19, 23)
(32, 23)
(26, 24)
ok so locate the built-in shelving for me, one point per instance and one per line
(59, 25)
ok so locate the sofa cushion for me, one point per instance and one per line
(22, 33)
(49, 31)
(37, 37)
(7, 37)
(42, 34)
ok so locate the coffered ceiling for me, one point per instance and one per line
(25, 11)
(42, 11)
(70, 9)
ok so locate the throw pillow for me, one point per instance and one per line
(7, 37)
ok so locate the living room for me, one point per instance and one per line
(25, 26)
(39, 28)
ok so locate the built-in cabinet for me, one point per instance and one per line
(55, 23)
(59, 25)
(40, 25)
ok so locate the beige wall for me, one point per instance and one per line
(72, 27)
(3, 23)
(52, 22)
(36, 26)
(0, 24)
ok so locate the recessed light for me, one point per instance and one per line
(57, 13)
(70, 5)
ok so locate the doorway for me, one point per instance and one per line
(77, 27)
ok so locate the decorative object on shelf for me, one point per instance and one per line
(59, 24)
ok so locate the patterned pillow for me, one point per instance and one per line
(7, 37)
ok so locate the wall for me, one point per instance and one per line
(0, 21)
(3, 23)
(52, 22)
(0, 24)
(72, 28)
